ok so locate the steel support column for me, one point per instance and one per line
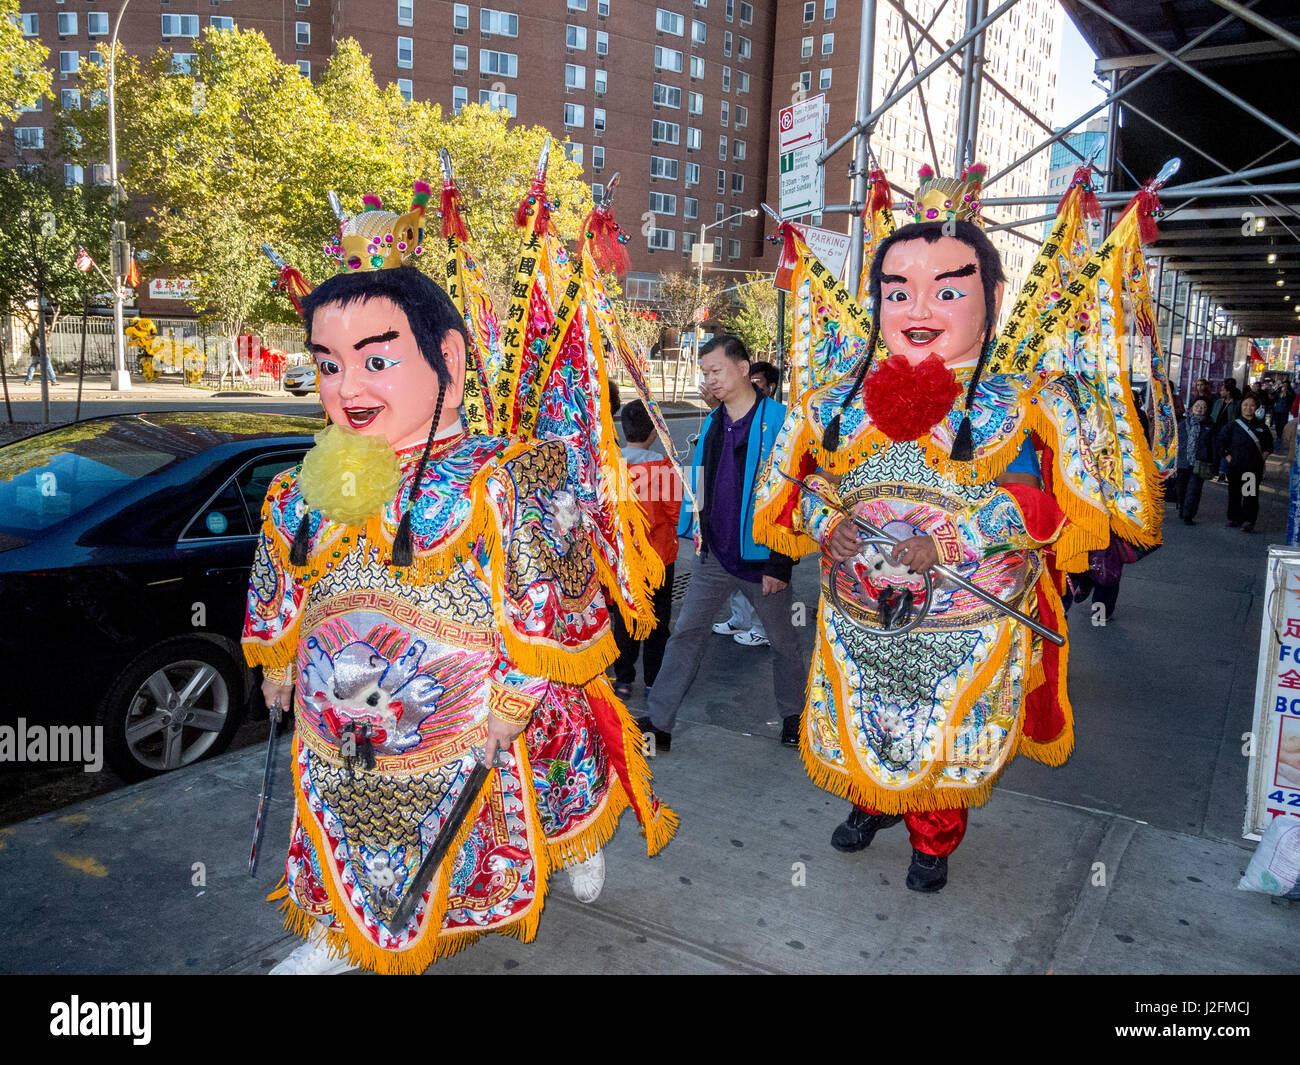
(861, 150)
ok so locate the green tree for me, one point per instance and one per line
(754, 318)
(42, 223)
(24, 77)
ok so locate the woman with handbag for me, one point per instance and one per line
(1195, 459)
(1245, 444)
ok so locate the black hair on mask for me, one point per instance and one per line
(991, 275)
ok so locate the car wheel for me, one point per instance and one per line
(179, 702)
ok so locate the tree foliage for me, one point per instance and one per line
(24, 77)
(754, 318)
(242, 149)
(680, 298)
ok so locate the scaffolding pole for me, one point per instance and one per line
(861, 150)
(1261, 23)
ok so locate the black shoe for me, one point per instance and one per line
(860, 828)
(663, 740)
(928, 872)
(790, 730)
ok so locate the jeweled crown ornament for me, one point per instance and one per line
(949, 199)
(375, 239)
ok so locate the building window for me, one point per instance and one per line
(407, 88)
(722, 188)
(669, 59)
(302, 33)
(504, 64)
(692, 174)
(598, 122)
(717, 248)
(217, 22)
(742, 81)
(726, 43)
(67, 23)
(722, 149)
(575, 37)
(180, 25)
(663, 239)
(183, 63)
(810, 10)
(737, 182)
(738, 150)
(663, 168)
(828, 43)
(667, 95)
(665, 132)
(575, 116)
(405, 52)
(499, 101)
(31, 25)
(726, 79)
(70, 99)
(730, 12)
(737, 217)
(597, 163)
(460, 16)
(39, 105)
(100, 174)
(602, 42)
(724, 118)
(68, 63)
(669, 22)
(597, 189)
(601, 82)
(746, 49)
(828, 9)
(733, 250)
(406, 12)
(97, 24)
(602, 8)
(699, 32)
(824, 81)
(29, 137)
(694, 103)
(73, 174)
(502, 23)
(688, 242)
(806, 48)
(694, 139)
(805, 80)
(459, 98)
(575, 77)
(690, 209)
(304, 67)
(742, 116)
(697, 68)
(577, 5)
(663, 203)
(746, 14)
(460, 57)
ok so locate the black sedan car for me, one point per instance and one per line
(125, 548)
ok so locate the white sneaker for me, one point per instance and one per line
(312, 958)
(750, 638)
(723, 628)
(587, 878)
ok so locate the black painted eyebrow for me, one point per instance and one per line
(962, 271)
(384, 338)
(893, 279)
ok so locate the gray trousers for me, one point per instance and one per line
(705, 596)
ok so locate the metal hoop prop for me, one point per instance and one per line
(909, 610)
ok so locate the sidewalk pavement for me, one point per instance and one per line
(1125, 860)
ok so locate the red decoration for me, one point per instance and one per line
(601, 234)
(907, 401)
(1091, 205)
(293, 285)
(881, 196)
(534, 201)
(453, 225)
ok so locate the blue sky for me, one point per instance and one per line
(1074, 90)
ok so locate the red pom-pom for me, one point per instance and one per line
(602, 236)
(372, 201)
(534, 203)
(926, 172)
(293, 285)
(453, 225)
(906, 401)
(881, 197)
(1147, 205)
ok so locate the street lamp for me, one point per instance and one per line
(699, 258)
(121, 378)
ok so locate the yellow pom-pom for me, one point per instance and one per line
(349, 477)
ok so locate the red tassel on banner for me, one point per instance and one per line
(293, 285)
(453, 225)
(1147, 205)
(881, 196)
(534, 201)
(1089, 202)
(606, 241)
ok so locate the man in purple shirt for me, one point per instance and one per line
(728, 459)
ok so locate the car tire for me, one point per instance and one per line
(138, 714)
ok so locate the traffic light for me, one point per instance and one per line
(121, 250)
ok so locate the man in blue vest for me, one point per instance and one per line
(728, 461)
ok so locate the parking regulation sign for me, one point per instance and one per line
(801, 138)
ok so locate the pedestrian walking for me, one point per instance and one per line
(1245, 444)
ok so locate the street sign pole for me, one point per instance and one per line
(861, 156)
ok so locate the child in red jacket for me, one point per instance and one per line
(657, 486)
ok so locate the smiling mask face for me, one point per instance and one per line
(932, 300)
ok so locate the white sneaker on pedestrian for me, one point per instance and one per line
(312, 958)
(587, 878)
(723, 628)
(752, 638)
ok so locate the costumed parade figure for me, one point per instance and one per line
(428, 588)
(999, 460)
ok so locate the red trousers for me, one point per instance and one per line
(934, 832)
